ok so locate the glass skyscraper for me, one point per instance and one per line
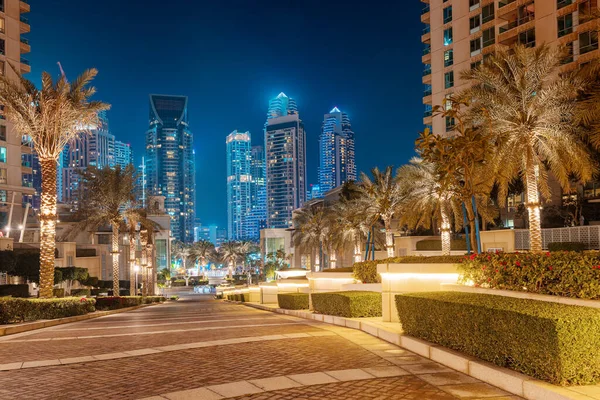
(123, 154)
(170, 169)
(285, 156)
(258, 193)
(239, 182)
(336, 150)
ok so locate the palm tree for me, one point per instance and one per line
(309, 228)
(106, 192)
(381, 197)
(529, 107)
(201, 251)
(425, 199)
(351, 219)
(51, 117)
(230, 252)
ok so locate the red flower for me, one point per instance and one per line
(473, 256)
(496, 270)
(518, 263)
(548, 254)
(489, 258)
(550, 268)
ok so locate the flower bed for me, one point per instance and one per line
(293, 301)
(13, 310)
(114, 302)
(568, 274)
(351, 304)
(553, 342)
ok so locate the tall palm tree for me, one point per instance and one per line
(51, 117)
(230, 253)
(381, 197)
(425, 199)
(351, 219)
(529, 107)
(106, 193)
(201, 251)
(309, 228)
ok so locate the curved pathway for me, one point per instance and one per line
(202, 349)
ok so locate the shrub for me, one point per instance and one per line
(117, 302)
(174, 298)
(293, 301)
(351, 304)
(14, 290)
(366, 271)
(566, 274)
(436, 245)
(81, 292)
(345, 269)
(58, 292)
(23, 310)
(554, 342)
(72, 274)
(566, 246)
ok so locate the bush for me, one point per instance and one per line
(72, 274)
(178, 283)
(293, 301)
(345, 269)
(81, 292)
(554, 342)
(174, 298)
(566, 246)
(58, 292)
(14, 290)
(23, 310)
(566, 274)
(366, 271)
(436, 245)
(117, 302)
(351, 304)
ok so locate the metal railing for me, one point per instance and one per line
(427, 72)
(427, 93)
(24, 61)
(503, 3)
(425, 10)
(563, 3)
(24, 41)
(24, 20)
(426, 50)
(588, 235)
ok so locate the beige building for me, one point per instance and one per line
(15, 168)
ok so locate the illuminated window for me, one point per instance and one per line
(447, 14)
(447, 37)
(3, 176)
(448, 58)
(3, 132)
(3, 196)
(3, 154)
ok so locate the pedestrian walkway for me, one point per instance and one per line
(202, 349)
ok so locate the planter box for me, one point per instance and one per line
(405, 278)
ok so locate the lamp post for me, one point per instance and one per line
(136, 268)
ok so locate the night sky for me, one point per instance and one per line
(231, 57)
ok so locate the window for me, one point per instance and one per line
(447, 14)
(447, 37)
(527, 38)
(569, 57)
(565, 25)
(487, 13)
(27, 180)
(586, 7)
(475, 46)
(3, 132)
(3, 154)
(588, 41)
(448, 102)
(2, 5)
(3, 176)
(473, 4)
(3, 196)
(475, 64)
(474, 23)
(489, 36)
(448, 58)
(449, 79)
(2, 46)
(427, 70)
(427, 91)
(450, 124)
(2, 24)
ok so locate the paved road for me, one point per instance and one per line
(202, 349)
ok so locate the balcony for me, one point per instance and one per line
(425, 15)
(563, 3)
(24, 22)
(425, 10)
(427, 72)
(426, 30)
(504, 3)
(25, 47)
(427, 114)
(24, 6)
(512, 25)
(427, 92)
(588, 48)
(426, 50)
(25, 66)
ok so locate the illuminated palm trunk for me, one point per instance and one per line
(150, 278)
(357, 253)
(132, 288)
(230, 269)
(389, 239)
(115, 258)
(317, 261)
(332, 259)
(533, 207)
(445, 229)
(144, 244)
(47, 227)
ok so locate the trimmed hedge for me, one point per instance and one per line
(293, 301)
(436, 245)
(58, 292)
(14, 290)
(22, 310)
(81, 292)
(117, 302)
(567, 274)
(566, 246)
(351, 304)
(345, 269)
(366, 271)
(554, 342)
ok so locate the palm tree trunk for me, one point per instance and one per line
(132, 288)
(115, 257)
(357, 253)
(47, 227)
(445, 230)
(332, 259)
(533, 206)
(389, 239)
(471, 220)
(150, 279)
(144, 243)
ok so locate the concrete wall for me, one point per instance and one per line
(498, 239)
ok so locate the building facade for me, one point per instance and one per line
(258, 193)
(239, 182)
(123, 154)
(285, 157)
(336, 151)
(16, 163)
(170, 169)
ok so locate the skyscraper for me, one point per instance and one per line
(239, 181)
(285, 155)
(336, 150)
(258, 193)
(170, 169)
(123, 154)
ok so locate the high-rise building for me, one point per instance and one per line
(476, 28)
(314, 192)
(170, 169)
(258, 194)
(239, 182)
(285, 157)
(16, 171)
(123, 154)
(221, 236)
(336, 151)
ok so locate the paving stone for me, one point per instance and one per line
(425, 368)
(315, 378)
(42, 363)
(235, 389)
(385, 372)
(474, 390)
(275, 383)
(350, 374)
(447, 378)
(193, 394)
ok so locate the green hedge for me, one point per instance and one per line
(293, 301)
(566, 246)
(554, 342)
(117, 302)
(58, 292)
(436, 245)
(14, 290)
(345, 269)
(351, 304)
(81, 292)
(366, 271)
(568, 274)
(14, 310)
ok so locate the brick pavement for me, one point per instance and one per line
(162, 373)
